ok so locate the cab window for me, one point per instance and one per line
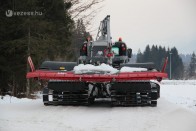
(115, 50)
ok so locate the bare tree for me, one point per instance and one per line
(85, 9)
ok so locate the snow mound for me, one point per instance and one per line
(10, 99)
(132, 69)
(88, 68)
(179, 82)
(103, 68)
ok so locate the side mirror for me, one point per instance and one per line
(129, 51)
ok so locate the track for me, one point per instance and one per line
(130, 99)
(133, 93)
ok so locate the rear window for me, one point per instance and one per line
(98, 51)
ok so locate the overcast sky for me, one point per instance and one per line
(161, 22)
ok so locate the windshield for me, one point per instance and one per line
(98, 51)
(115, 50)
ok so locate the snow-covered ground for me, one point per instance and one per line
(180, 92)
(176, 111)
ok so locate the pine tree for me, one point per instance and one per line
(192, 66)
(155, 56)
(147, 54)
(177, 66)
(79, 36)
(139, 56)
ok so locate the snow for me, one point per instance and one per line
(132, 69)
(88, 68)
(175, 112)
(81, 68)
(9, 99)
(178, 82)
(180, 92)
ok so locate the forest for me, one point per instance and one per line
(157, 54)
(55, 34)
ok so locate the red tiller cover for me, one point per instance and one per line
(120, 77)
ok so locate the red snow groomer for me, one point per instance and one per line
(102, 71)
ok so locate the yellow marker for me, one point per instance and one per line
(62, 68)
